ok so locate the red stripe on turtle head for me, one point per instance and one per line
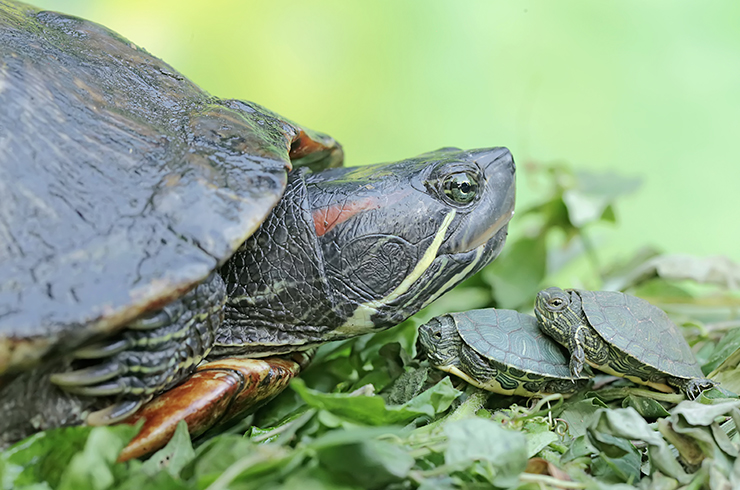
(324, 219)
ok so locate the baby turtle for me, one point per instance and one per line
(502, 351)
(621, 335)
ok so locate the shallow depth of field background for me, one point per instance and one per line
(647, 89)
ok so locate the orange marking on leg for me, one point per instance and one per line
(217, 391)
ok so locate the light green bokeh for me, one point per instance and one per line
(647, 88)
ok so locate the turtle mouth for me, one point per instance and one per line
(488, 235)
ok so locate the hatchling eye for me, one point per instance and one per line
(460, 187)
(556, 302)
(437, 335)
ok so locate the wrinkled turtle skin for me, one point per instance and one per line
(502, 351)
(151, 231)
(621, 335)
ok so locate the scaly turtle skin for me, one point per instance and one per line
(502, 351)
(150, 229)
(621, 335)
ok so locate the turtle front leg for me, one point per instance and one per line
(577, 344)
(692, 387)
(216, 393)
(151, 355)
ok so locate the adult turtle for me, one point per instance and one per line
(148, 228)
(621, 335)
(502, 351)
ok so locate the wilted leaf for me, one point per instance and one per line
(717, 270)
(626, 424)
(617, 460)
(700, 414)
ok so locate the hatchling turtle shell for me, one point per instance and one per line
(641, 330)
(513, 339)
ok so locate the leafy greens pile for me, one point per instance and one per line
(368, 413)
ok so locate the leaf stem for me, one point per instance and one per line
(663, 397)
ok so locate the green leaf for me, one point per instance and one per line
(372, 410)
(59, 457)
(228, 459)
(311, 478)
(517, 276)
(369, 463)
(647, 407)
(174, 456)
(580, 446)
(538, 441)
(479, 439)
(408, 385)
(580, 415)
(724, 361)
(93, 467)
(589, 199)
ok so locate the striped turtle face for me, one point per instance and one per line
(441, 342)
(394, 237)
(558, 312)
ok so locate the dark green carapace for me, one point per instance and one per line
(502, 351)
(147, 227)
(621, 335)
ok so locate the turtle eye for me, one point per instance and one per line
(437, 335)
(460, 187)
(556, 302)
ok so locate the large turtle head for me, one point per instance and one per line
(394, 237)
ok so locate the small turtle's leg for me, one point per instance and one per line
(151, 355)
(691, 387)
(577, 350)
(217, 392)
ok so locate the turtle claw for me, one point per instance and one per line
(576, 367)
(102, 349)
(114, 413)
(107, 389)
(87, 376)
(694, 388)
(152, 321)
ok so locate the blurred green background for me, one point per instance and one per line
(647, 89)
